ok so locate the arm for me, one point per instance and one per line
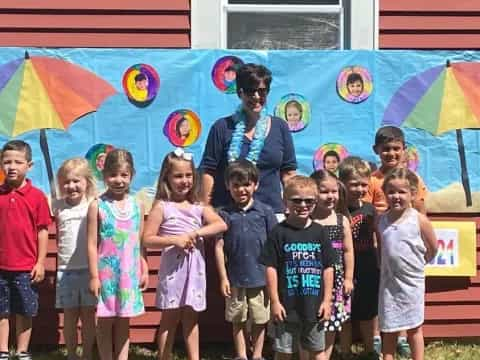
(419, 200)
(143, 253)
(207, 187)
(348, 257)
(92, 242)
(222, 270)
(428, 236)
(214, 224)
(325, 309)
(278, 311)
(38, 272)
(286, 175)
(151, 238)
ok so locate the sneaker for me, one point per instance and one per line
(403, 348)
(377, 344)
(4, 355)
(23, 355)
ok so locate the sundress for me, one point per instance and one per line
(181, 278)
(119, 265)
(341, 305)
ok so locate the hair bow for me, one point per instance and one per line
(179, 152)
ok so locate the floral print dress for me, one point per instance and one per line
(119, 266)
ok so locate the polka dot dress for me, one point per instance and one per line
(341, 302)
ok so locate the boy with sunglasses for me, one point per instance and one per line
(299, 262)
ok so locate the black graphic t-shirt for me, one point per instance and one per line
(363, 227)
(300, 257)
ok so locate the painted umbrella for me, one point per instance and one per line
(441, 99)
(41, 92)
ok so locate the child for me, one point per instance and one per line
(390, 147)
(77, 187)
(407, 241)
(340, 235)
(293, 115)
(331, 161)
(299, 259)
(118, 269)
(242, 277)
(178, 224)
(355, 175)
(355, 84)
(24, 220)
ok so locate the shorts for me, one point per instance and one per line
(17, 293)
(365, 296)
(247, 304)
(287, 336)
(72, 289)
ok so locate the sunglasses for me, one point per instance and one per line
(262, 92)
(307, 201)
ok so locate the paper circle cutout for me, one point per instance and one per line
(354, 84)
(224, 74)
(182, 127)
(322, 150)
(96, 158)
(141, 84)
(295, 110)
(412, 157)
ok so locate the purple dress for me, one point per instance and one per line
(182, 277)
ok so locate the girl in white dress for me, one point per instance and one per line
(407, 242)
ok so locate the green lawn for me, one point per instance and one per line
(434, 351)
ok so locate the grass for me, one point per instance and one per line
(438, 350)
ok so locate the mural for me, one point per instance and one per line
(92, 100)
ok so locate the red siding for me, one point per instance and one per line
(89, 23)
(426, 24)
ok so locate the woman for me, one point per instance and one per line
(252, 134)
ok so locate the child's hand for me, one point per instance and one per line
(278, 311)
(95, 286)
(347, 286)
(324, 311)
(225, 288)
(38, 273)
(144, 281)
(184, 241)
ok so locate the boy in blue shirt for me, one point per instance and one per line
(242, 277)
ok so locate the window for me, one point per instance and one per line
(283, 24)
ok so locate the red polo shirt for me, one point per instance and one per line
(23, 212)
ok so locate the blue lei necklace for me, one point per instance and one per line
(258, 140)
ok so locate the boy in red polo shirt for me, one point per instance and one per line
(24, 219)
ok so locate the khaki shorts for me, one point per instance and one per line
(247, 304)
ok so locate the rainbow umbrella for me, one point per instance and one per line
(41, 92)
(443, 98)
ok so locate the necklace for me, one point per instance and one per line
(256, 146)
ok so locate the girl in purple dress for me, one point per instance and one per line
(178, 224)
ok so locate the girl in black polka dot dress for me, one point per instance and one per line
(340, 235)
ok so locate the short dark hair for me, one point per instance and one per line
(140, 77)
(241, 171)
(387, 134)
(251, 75)
(354, 77)
(331, 153)
(19, 145)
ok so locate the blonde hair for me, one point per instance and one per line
(299, 182)
(163, 189)
(353, 167)
(81, 167)
(402, 174)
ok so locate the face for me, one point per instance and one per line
(118, 181)
(328, 194)
(301, 202)
(331, 163)
(253, 100)
(142, 84)
(180, 179)
(242, 192)
(73, 186)
(293, 115)
(391, 154)
(230, 75)
(15, 166)
(184, 128)
(357, 188)
(355, 88)
(100, 162)
(399, 194)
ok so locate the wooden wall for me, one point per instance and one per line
(95, 23)
(429, 24)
